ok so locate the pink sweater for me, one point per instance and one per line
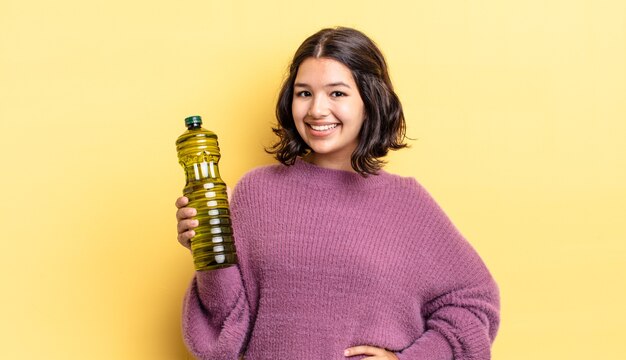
(329, 260)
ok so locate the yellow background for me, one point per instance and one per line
(518, 109)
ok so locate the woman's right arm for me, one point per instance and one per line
(215, 309)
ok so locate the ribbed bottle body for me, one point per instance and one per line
(213, 245)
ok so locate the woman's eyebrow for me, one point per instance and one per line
(339, 83)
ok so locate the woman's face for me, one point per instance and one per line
(328, 110)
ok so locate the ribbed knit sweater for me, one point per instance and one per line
(329, 259)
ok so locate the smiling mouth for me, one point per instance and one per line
(323, 127)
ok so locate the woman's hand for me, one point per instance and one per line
(377, 353)
(185, 222)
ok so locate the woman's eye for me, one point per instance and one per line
(303, 93)
(337, 94)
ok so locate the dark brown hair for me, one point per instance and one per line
(384, 127)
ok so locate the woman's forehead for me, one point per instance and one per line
(324, 72)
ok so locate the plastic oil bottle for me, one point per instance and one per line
(213, 244)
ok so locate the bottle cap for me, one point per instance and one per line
(193, 121)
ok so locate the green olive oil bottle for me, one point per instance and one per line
(213, 245)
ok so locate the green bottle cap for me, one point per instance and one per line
(193, 121)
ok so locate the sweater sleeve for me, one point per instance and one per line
(216, 314)
(216, 309)
(462, 310)
(460, 325)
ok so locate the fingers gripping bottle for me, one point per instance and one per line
(213, 245)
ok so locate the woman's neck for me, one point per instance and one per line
(328, 162)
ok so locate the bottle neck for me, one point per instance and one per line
(194, 127)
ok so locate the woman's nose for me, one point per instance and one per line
(319, 108)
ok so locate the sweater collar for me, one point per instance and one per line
(326, 178)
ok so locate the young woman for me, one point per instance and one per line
(338, 258)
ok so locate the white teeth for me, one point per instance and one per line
(323, 127)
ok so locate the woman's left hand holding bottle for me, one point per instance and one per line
(186, 222)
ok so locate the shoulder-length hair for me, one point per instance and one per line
(384, 127)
